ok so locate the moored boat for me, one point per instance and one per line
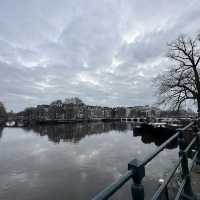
(10, 123)
(156, 128)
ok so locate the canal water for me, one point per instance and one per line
(75, 161)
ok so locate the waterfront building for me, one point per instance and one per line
(75, 109)
(56, 111)
(95, 112)
(142, 111)
(30, 114)
(107, 112)
(72, 111)
(20, 116)
(43, 112)
(119, 112)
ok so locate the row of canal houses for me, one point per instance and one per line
(74, 108)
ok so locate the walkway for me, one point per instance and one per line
(195, 175)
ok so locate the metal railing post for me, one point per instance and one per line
(185, 169)
(195, 133)
(137, 188)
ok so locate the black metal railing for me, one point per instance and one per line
(136, 169)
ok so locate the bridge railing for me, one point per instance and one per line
(136, 169)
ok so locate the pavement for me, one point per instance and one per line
(195, 177)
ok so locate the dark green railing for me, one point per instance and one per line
(136, 169)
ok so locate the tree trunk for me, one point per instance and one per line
(197, 83)
(198, 106)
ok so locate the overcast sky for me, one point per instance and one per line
(104, 51)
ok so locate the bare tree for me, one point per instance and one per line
(2, 108)
(181, 81)
(2, 112)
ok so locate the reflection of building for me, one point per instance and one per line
(76, 132)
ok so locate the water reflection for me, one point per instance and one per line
(1, 131)
(157, 138)
(75, 132)
(85, 159)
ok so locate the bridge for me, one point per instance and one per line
(134, 119)
(136, 169)
(139, 120)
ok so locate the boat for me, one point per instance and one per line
(10, 123)
(158, 124)
(156, 128)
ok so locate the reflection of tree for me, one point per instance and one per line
(157, 138)
(1, 131)
(76, 132)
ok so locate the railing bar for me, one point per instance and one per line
(180, 189)
(166, 193)
(107, 192)
(111, 189)
(168, 178)
(193, 160)
(186, 127)
(159, 149)
(190, 145)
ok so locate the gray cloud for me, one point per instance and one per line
(106, 52)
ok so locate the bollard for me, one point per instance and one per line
(165, 192)
(196, 134)
(185, 170)
(137, 188)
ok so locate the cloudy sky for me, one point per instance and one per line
(104, 51)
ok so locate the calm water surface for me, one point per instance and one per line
(74, 162)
